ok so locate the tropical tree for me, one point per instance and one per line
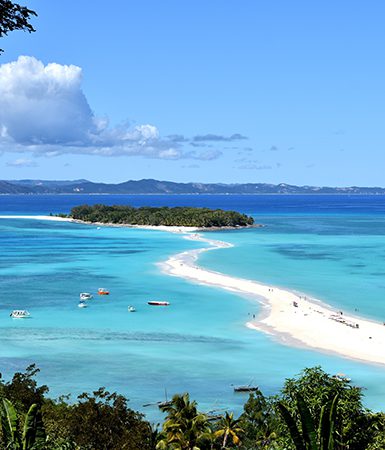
(30, 437)
(310, 436)
(229, 429)
(184, 428)
(103, 421)
(23, 390)
(353, 423)
(259, 422)
(14, 17)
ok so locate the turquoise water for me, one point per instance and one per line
(198, 344)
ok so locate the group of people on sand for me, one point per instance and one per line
(338, 318)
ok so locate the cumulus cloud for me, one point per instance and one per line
(44, 104)
(44, 111)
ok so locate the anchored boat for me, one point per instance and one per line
(85, 296)
(246, 388)
(20, 314)
(102, 291)
(158, 303)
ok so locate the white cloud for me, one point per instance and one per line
(43, 104)
(44, 111)
(207, 155)
(21, 162)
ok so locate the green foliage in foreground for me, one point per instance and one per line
(178, 216)
(32, 434)
(14, 17)
(314, 411)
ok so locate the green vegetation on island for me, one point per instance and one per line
(314, 411)
(146, 215)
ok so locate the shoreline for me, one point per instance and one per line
(293, 319)
(169, 228)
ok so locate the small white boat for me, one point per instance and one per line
(20, 314)
(131, 309)
(85, 296)
(341, 377)
(82, 304)
(158, 303)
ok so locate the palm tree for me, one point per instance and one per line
(229, 427)
(184, 428)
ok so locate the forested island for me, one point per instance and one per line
(163, 216)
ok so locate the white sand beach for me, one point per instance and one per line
(53, 218)
(292, 318)
(173, 229)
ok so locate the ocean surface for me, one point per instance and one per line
(329, 247)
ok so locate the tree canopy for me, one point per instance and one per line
(178, 216)
(14, 17)
(314, 411)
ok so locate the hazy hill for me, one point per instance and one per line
(149, 186)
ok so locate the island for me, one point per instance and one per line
(160, 216)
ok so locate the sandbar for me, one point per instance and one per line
(171, 229)
(292, 318)
(37, 217)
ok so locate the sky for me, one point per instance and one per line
(229, 91)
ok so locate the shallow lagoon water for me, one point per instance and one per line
(198, 344)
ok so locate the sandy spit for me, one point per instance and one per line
(292, 318)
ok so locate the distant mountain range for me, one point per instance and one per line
(150, 186)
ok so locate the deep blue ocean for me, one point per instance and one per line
(330, 247)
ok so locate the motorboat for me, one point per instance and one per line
(158, 303)
(82, 304)
(85, 296)
(131, 309)
(20, 314)
(342, 377)
(246, 388)
(102, 291)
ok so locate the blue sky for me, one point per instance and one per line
(208, 91)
